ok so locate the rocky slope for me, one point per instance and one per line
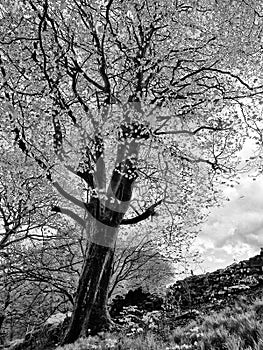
(218, 288)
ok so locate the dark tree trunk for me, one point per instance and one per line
(90, 314)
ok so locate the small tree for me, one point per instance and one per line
(24, 213)
(144, 259)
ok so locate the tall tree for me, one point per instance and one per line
(127, 106)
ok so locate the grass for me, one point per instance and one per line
(236, 328)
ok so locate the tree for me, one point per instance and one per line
(24, 201)
(24, 214)
(39, 277)
(144, 259)
(139, 264)
(39, 267)
(128, 106)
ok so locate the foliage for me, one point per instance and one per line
(41, 282)
(24, 200)
(237, 328)
(26, 223)
(177, 76)
(128, 108)
(138, 263)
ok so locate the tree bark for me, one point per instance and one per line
(90, 314)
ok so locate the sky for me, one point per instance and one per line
(233, 232)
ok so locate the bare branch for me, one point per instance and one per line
(68, 196)
(188, 132)
(145, 215)
(69, 213)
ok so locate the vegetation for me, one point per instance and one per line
(237, 328)
(118, 118)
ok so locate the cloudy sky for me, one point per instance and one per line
(233, 232)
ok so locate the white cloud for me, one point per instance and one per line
(235, 231)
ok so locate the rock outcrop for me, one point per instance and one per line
(143, 300)
(218, 287)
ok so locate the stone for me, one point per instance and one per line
(234, 280)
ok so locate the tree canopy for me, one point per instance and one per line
(130, 109)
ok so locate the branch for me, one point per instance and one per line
(231, 75)
(68, 196)
(6, 237)
(217, 70)
(215, 165)
(85, 75)
(69, 213)
(22, 145)
(149, 212)
(188, 132)
(85, 175)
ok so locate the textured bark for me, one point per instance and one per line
(90, 313)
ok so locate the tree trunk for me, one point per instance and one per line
(90, 314)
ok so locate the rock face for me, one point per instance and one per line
(143, 300)
(218, 287)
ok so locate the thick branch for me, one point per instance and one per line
(68, 196)
(149, 212)
(69, 213)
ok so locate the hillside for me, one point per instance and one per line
(219, 288)
(213, 311)
(196, 305)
